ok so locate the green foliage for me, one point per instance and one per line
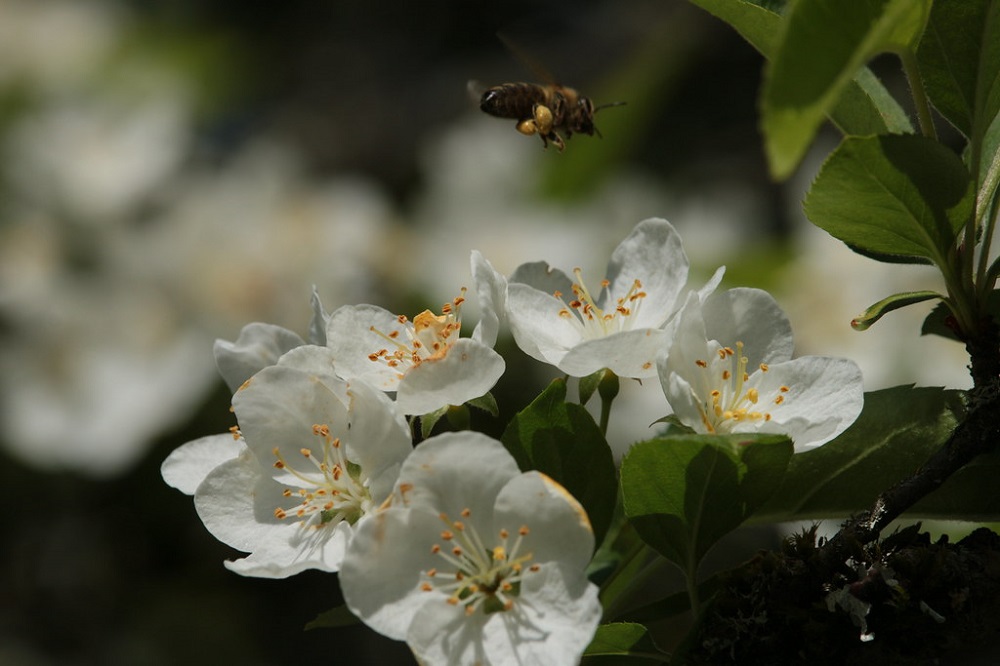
(335, 617)
(623, 639)
(684, 493)
(865, 106)
(561, 440)
(876, 311)
(960, 60)
(897, 198)
(897, 431)
(822, 47)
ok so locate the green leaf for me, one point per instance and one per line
(865, 107)
(898, 429)
(623, 639)
(989, 170)
(941, 320)
(759, 26)
(823, 45)
(561, 440)
(487, 403)
(429, 420)
(877, 310)
(892, 197)
(960, 60)
(588, 385)
(684, 493)
(335, 617)
(673, 604)
(949, 59)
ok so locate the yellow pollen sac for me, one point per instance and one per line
(426, 587)
(235, 430)
(499, 553)
(752, 395)
(504, 534)
(428, 320)
(764, 367)
(726, 375)
(447, 535)
(780, 399)
(523, 530)
(701, 364)
(466, 512)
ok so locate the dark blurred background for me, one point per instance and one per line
(174, 170)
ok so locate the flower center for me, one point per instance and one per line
(475, 574)
(731, 396)
(593, 321)
(430, 336)
(332, 488)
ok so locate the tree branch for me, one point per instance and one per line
(978, 433)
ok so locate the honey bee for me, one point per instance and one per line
(542, 109)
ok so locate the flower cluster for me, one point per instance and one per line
(448, 545)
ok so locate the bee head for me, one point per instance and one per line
(585, 117)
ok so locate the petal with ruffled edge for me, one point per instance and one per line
(236, 503)
(188, 465)
(469, 370)
(257, 346)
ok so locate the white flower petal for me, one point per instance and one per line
(627, 354)
(727, 371)
(379, 438)
(753, 317)
(258, 346)
(826, 396)
(237, 504)
(188, 465)
(469, 370)
(353, 335)
(381, 572)
(520, 542)
(541, 276)
(560, 528)
(537, 326)
(280, 405)
(439, 479)
(491, 288)
(653, 253)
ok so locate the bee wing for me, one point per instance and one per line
(529, 61)
(475, 89)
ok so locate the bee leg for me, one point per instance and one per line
(543, 119)
(527, 126)
(555, 139)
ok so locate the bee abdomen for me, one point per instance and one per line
(511, 100)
